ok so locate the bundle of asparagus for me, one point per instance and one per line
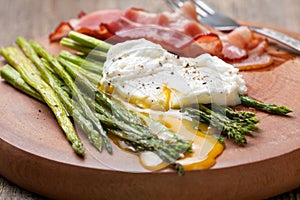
(52, 79)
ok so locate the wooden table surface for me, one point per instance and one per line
(35, 18)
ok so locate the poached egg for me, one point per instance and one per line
(143, 73)
(148, 79)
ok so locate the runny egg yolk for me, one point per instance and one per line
(162, 100)
(205, 147)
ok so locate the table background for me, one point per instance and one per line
(35, 18)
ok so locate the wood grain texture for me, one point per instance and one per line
(34, 18)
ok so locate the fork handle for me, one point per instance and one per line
(279, 37)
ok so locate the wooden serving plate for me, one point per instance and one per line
(36, 156)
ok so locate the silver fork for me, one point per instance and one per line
(219, 21)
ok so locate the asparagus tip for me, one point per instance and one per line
(284, 110)
(78, 148)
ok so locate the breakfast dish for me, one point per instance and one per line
(156, 106)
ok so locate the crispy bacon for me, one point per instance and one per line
(93, 20)
(211, 43)
(179, 32)
(258, 58)
(81, 14)
(237, 43)
(102, 33)
(60, 32)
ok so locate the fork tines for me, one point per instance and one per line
(202, 8)
(174, 4)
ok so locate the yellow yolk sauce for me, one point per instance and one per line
(163, 100)
(205, 148)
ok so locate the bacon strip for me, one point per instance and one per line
(60, 32)
(179, 32)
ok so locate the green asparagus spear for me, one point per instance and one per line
(67, 42)
(94, 78)
(28, 72)
(13, 77)
(89, 65)
(59, 69)
(88, 41)
(268, 108)
(164, 149)
(90, 52)
(234, 126)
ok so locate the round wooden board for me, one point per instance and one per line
(36, 156)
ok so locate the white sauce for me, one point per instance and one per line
(145, 74)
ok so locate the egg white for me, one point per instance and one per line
(148, 79)
(145, 74)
